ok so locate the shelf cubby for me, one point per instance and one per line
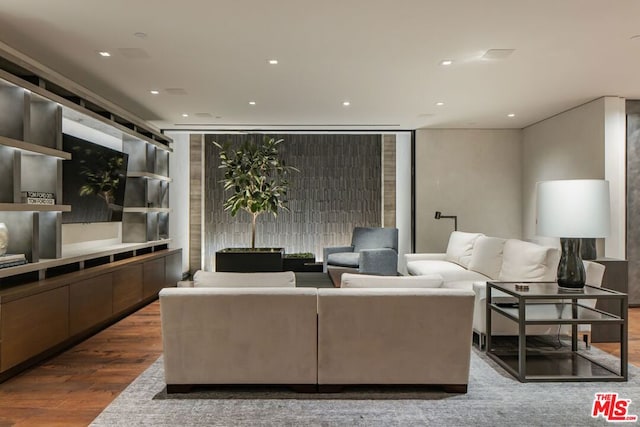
(13, 111)
(45, 119)
(7, 174)
(146, 213)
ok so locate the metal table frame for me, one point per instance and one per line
(548, 293)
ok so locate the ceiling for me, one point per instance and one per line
(209, 59)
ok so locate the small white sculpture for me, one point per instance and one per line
(4, 238)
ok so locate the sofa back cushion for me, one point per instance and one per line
(239, 335)
(460, 247)
(486, 257)
(525, 261)
(374, 238)
(350, 280)
(242, 280)
(394, 336)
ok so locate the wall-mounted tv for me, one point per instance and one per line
(93, 181)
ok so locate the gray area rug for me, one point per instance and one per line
(494, 399)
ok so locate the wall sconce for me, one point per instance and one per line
(454, 217)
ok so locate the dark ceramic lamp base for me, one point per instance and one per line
(571, 272)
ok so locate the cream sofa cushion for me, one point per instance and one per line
(350, 280)
(239, 335)
(448, 270)
(232, 280)
(525, 261)
(487, 256)
(460, 247)
(394, 336)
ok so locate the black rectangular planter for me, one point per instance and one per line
(301, 264)
(245, 260)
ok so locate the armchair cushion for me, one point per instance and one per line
(374, 238)
(344, 259)
(460, 247)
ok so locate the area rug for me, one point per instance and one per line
(494, 399)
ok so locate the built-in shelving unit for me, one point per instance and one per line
(30, 160)
(146, 215)
(64, 294)
(32, 106)
(69, 299)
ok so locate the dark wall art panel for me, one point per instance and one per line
(338, 187)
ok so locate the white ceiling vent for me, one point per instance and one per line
(204, 115)
(497, 54)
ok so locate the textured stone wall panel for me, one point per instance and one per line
(338, 188)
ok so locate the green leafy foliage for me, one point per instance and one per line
(256, 177)
(102, 177)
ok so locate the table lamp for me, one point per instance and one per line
(571, 210)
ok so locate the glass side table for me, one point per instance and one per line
(545, 303)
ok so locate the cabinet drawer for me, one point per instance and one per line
(127, 287)
(90, 302)
(32, 325)
(154, 279)
(173, 271)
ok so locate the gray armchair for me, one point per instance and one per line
(373, 250)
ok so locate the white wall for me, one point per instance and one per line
(615, 168)
(474, 174)
(179, 195)
(403, 196)
(572, 145)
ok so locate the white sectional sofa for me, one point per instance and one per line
(472, 259)
(392, 334)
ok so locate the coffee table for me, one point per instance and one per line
(548, 304)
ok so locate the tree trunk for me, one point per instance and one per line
(253, 230)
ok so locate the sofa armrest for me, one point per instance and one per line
(333, 250)
(383, 261)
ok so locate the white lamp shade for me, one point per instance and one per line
(573, 208)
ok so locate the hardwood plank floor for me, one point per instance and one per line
(72, 388)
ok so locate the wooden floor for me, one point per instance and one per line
(74, 387)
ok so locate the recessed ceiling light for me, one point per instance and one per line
(140, 34)
(252, 102)
(185, 115)
(346, 103)
(104, 53)
(439, 103)
(511, 115)
(446, 62)
(154, 92)
(273, 61)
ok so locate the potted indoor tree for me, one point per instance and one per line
(256, 177)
